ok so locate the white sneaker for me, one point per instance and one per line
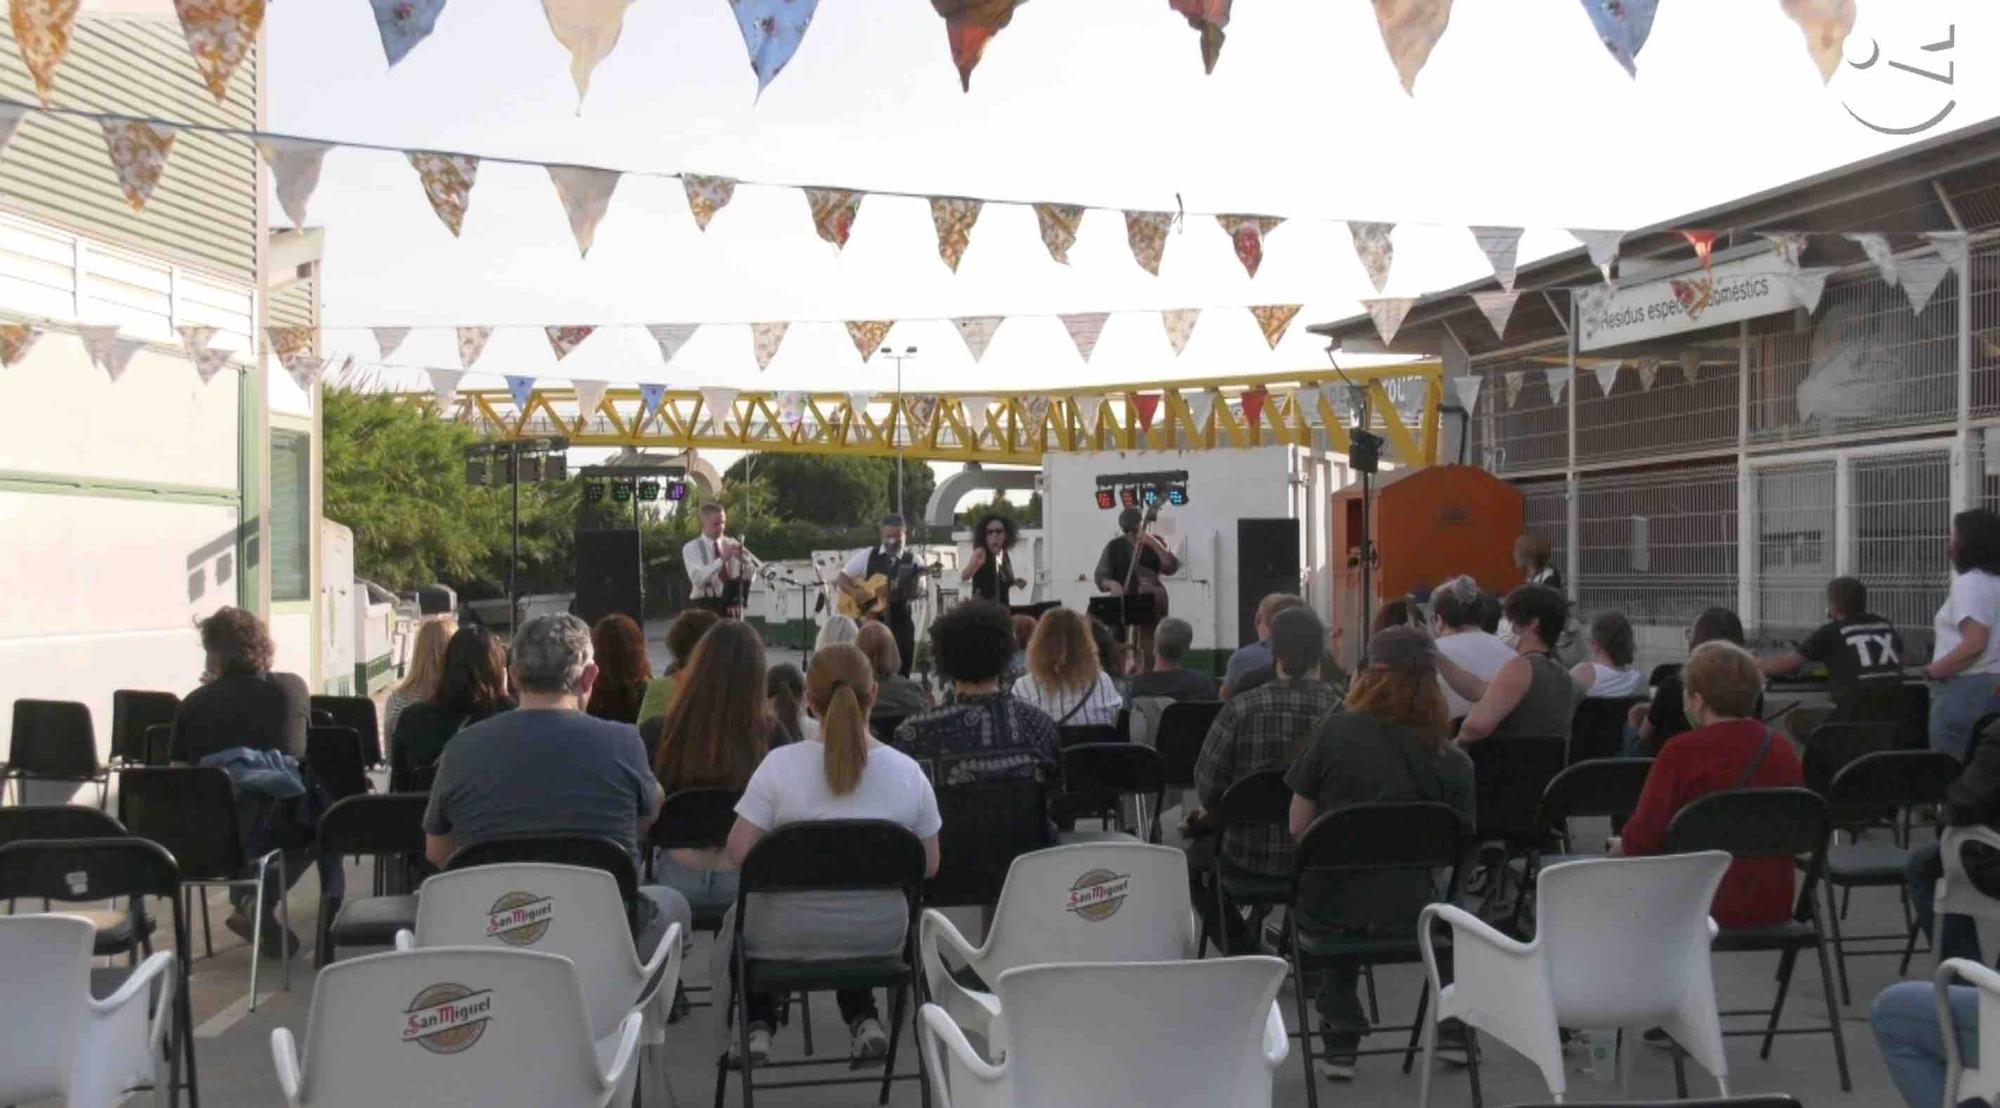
(760, 1048)
(871, 1042)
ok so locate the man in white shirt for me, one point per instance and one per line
(1461, 638)
(718, 567)
(899, 567)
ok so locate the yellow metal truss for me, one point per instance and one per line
(1018, 428)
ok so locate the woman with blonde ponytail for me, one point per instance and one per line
(843, 774)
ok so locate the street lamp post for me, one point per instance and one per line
(902, 414)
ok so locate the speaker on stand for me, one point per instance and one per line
(608, 575)
(1267, 561)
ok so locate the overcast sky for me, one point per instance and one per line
(1520, 117)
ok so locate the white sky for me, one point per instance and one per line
(1520, 117)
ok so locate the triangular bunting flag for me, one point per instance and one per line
(953, 216)
(1789, 246)
(1274, 320)
(1826, 24)
(791, 411)
(388, 339)
(1410, 28)
(195, 338)
(42, 30)
(1648, 370)
(447, 180)
(404, 24)
(1246, 235)
(585, 194)
(1253, 405)
(968, 26)
(764, 341)
(977, 331)
(1704, 246)
(471, 344)
(588, 29)
(1059, 224)
(562, 340)
(522, 389)
(923, 413)
(1314, 404)
(1089, 411)
(1602, 245)
(1624, 26)
(1208, 17)
(650, 399)
(1179, 323)
(1388, 313)
(976, 409)
(857, 410)
(1500, 245)
(1468, 390)
(11, 116)
(1147, 233)
(589, 398)
(1376, 250)
(289, 342)
(1878, 251)
(1201, 405)
(117, 357)
(1144, 405)
(1921, 278)
(16, 339)
(209, 362)
(220, 33)
(868, 335)
(1558, 378)
(720, 403)
(1084, 328)
(1950, 245)
(1807, 287)
(295, 165)
(1513, 383)
(833, 212)
(138, 156)
(671, 337)
(1498, 308)
(707, 196)
(1607, 376)
(306, 370)
(772, 31)
(444, 382)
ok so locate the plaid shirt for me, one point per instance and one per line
(1262, 729)
(993, 737)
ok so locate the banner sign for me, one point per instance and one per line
(1728, 293)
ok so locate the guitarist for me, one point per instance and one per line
(1120, 574)
(893, 562)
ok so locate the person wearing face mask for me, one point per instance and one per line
(892, 561)
(991, 569)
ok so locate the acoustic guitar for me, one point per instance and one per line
(872, 604)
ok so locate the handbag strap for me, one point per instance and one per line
(1757, 762)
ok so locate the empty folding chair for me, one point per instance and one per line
(1602, 788)
(132, 712)
(1831, 746)
(1182, 730)
(53, 750)
(1077, 734)
(1098, 780)
(389, 829)
(1978, 1078)
(1090, 902)
(987, 825)
(1620, 943)
(66, 1043)
(358, 714)
(335, 757)
(1867, 792)
(454, 1026)
(1131, 1035)
(1598, 728)
(1510, 777)
(125, 932)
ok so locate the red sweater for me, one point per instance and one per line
(1710, 759)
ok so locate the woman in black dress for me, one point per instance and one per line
(991, 569)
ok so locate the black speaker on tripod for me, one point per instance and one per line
(608, 575)
(1267, 561)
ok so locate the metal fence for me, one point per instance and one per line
(1659, 546)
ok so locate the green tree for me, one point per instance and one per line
(919, 482)
(395, 474)
(1028, 516)
(831, 490)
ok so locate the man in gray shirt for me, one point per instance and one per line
(548, 769)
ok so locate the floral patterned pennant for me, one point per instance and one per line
(772, 31)
(1410, 28)
(1624, 25)
(1558, 378)
(923, 414)
(977, 331)
(444, 382)
(1059, 224)
(289, 342)
(295, 165)
(306, 370)
(720, 403)
(1704, 246)
(1498, 308)
(388, 339)
(1826, 24)
(707, 196)
(1468, 391)
(562, 340)
(16, 339)
(1388, 313)
(209, 362)
(589, 398)
(471, 344)
(404, 23)
(1602, 245)
(969, 25)
(833, 212)
(764, 341)
(1179, 323)
(42, 30)
(1500, 245)
(585, 195)
(1084, 328)
(1147, 232)
(1274, 320)
(1878, 251)
(1375, 248)
(1789, 246)
(109, 350)
(1208, 17)
(1246, 234)
(953, 217)
(589, 30)
(220, 33)
(791, 411)
(1513, 382)
(1037, 410)
(868, 335)
(1921, 278)
(447, 182)
(522, 389)
(671, 337)
(138, 156)
(195, 338)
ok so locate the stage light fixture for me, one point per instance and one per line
(677, 490)
(1128, 495)
(649, 491)
(1151, 496)
(593, 493)
(621, 490)
(1107, 497)
(1177, 494)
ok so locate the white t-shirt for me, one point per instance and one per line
(1975, 595)
(1607, 683)
(1099, 706)
(1479, 654)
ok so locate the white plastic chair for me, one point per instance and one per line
(1120, 1035)
(56, 1040)
(1955, 892)
(1619, 943)
(455, 1025)
(567, 910)
(1090, 902)
(1963, 1082)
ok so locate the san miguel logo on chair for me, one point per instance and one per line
(1098, 894)
(520, 919)
(447, 1018)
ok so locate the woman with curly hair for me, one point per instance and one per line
(240, 701)
(618, 647)
(991, 569)
(1065, 677)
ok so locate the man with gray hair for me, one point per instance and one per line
(1168, 677)
(546, 768)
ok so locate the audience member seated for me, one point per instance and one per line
(1965, 662)
(547, 768)
(895, 695)
(1532, 695)
(1262, 729)
(1863, 656)
(1973, 800)
(623, 670)
(1111, 657)
(1024, 630)
(425, 668)
(844, 775)
(1664, 717)
(1728, 749)
(785, 685)
(1400, 612)
(1609, 674)
(473, 687)
(714, 736)
(1907, 1031)
(1390, 744)
(1065, 677)
(1492, 610)
(683, 635)
(837, 631)
(984, 734)
(1458, 612)
(1169, 678)
(1256, 655)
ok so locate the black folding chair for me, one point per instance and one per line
(1606, 788)
(389, 829)
(1916, 722)
(987, 824)
(1182, 730)
(132, 712)
(1598, 729)
(1097, 779)
(1082, 734)
(159, 745)
(826, 856)
(1785, 824)
(1778, 1101)
(357, 713)
(694, 819)
(128, 932)
(1415, 839)
(883, 726)
(1510, 777)
(53, 740)
(192, 812)
(1831, 746)
(1661, 672)
(1260, 800)
(336, 758)
(103, 869)
(586, 851)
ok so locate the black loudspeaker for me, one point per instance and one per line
(607, 575)
(1267, 561)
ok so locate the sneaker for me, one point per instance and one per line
(871, 1042)
(760, 1047)
(1337, 1063)
(1454, 1043)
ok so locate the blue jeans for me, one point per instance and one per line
(1956, 705)
(1905, 1020)
(1957, 936)
(710, 892)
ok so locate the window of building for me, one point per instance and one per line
(291, 515)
